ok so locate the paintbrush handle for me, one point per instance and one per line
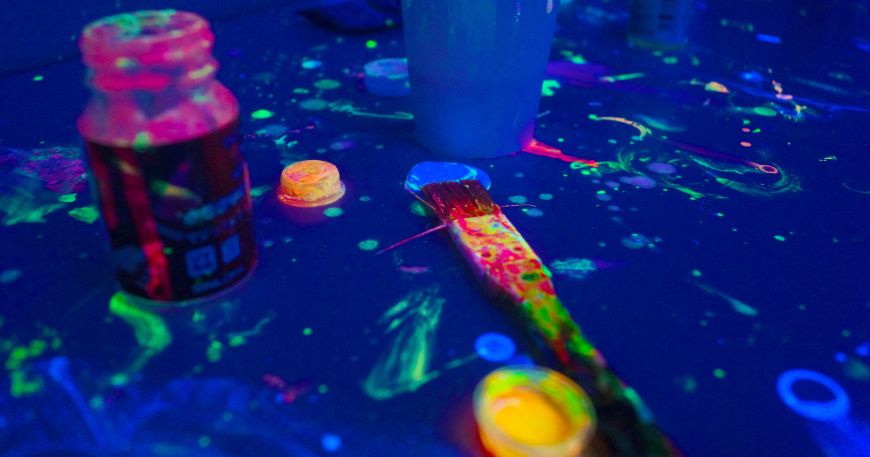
(509, 267)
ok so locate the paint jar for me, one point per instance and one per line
(659, 24)
(476, 70)
(162, 140)
(530, 411)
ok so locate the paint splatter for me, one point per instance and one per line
(533, 212)
(518, 199)
(573, 267)
(151, 333)
(404, 366)
(368, 245)
(262, 114)
(87, 214)
(327, 84)
(736, 304)
(717, 87)
(333, 211)
(642, 130)
(330, 442)
(494, 347)
(314, 104)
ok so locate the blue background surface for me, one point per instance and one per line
(658, 330)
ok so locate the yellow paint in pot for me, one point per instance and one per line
(529, 411)
(530, 417)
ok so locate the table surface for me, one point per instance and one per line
(708, 285)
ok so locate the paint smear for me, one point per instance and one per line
(404, 366)
(736, 304)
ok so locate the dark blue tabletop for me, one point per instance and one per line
(735, 302)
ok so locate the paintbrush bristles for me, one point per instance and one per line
(453, 200)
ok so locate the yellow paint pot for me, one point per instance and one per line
(530, 411)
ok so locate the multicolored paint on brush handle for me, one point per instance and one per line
(509, 267)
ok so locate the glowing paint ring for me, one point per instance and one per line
(769, 169)
(816, 410)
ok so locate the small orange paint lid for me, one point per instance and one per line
(310, 183)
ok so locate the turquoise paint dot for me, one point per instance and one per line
(494, 347)
(368, 245)
(311, 64)
(546, 196)
(518, 199)
(333, 212)
(778, 237)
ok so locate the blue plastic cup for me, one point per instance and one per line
(476, 68)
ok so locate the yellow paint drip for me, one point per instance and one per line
(530, 417)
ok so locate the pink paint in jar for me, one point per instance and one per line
(162, 140)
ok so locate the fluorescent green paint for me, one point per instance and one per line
(67, 198)
(778, 237)
(547, 89)
(719, 373)
(87, 214)
(262, 114)
(371, 44)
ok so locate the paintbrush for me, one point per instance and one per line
(509, 267)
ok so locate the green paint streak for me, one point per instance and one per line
(150, 330)
(404, 365)
(736, 304)
(38, 78)
(778, 237)
(87, 214)
(262, 114)
(67, 198)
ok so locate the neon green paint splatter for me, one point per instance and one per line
(371, 44)
(150, 330)
(262, 114)
(368, 245)
(548, 86)
(67, 198)
(38, 78)
(307, 331)
(214, 351)
(87, 214)
(333, 211)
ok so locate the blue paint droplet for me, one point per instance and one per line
(840, 357)
(768, 38)
(494, 347)
(330, 442)
(752, 76)
(863, 349)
